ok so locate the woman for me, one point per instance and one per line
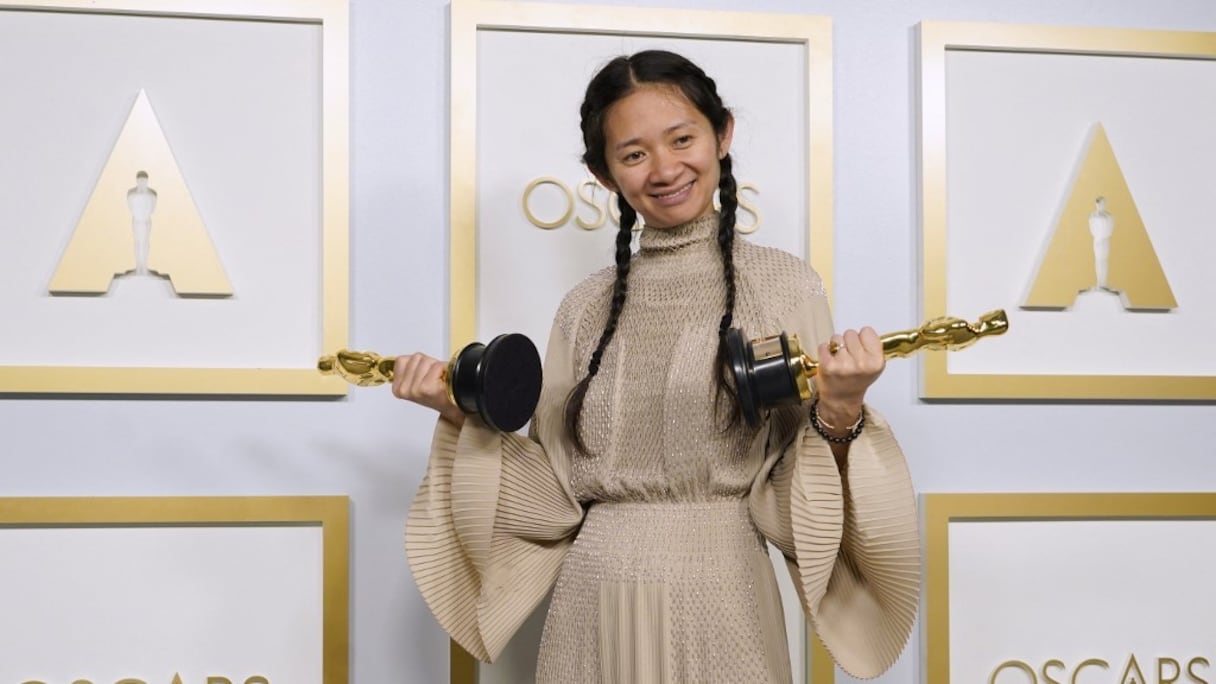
(640, 498)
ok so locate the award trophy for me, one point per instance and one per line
(499, 381)
(773, 370)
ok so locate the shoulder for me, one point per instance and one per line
(775, 273)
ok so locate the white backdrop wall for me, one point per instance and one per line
(373, 448)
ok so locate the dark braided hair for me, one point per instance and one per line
(615, 81)
(726, 240)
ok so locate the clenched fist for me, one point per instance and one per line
(846, 374)
(419, 378)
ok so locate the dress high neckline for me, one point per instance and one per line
(697, 231)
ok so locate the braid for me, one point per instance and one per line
(624, 237)
(727, 192)
(726, 237)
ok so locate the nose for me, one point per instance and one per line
(664, 167)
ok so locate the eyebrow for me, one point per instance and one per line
(634, 141)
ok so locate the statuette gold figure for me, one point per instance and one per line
(499, 381)
(774, 370)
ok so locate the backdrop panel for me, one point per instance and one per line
(1083, 588)
(214, 590)
(249, 102)
(1025, 131)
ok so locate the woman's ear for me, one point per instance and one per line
(728, 134)
(606, 182)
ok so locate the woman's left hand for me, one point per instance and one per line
(844, 376)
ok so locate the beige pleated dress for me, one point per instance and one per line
(654, 546)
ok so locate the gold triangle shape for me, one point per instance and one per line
(1100, 204)
(141, 218)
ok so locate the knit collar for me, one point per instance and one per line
(697, 231)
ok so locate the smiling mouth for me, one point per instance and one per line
(674, 193)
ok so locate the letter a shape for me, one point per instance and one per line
(103, 243)
(1068, 265)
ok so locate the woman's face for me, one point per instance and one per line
(663, 155)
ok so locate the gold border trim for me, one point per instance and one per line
(936, 39)
(331, 513)
(470, 16)
(942, 509)
(333, 16)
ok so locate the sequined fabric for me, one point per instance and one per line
(668, 578)
(654, 436)
(666, 592)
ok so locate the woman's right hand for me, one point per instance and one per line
(419, 378)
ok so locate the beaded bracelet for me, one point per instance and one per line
(818, 424)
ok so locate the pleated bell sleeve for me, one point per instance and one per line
(851, 540)
(494, 517)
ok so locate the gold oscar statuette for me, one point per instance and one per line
(361, 368)
(774, 370)
(499, 381)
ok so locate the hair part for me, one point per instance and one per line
(616, 80)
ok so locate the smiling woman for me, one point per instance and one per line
(666, 155)
(640, 499)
